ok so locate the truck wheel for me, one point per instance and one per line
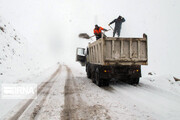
(97, 78)
(136, 80)
(88, 72)
(106, 82)
(93, 77)
(133, 81)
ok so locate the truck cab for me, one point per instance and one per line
(81, 56)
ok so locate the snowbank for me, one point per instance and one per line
(165, 82)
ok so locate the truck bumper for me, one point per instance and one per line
(120, 72)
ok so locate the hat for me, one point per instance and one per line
(119, 17)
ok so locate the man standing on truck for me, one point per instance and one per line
(118, 22)
(97, 31)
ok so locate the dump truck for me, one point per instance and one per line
(113, 57)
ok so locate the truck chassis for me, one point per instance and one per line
(101, 75)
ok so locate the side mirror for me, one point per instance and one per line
(80, 56)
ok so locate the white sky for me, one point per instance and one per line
(52, 26)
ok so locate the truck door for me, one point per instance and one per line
(80, 56)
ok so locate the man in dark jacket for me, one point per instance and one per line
(98, 31)
(118, 22)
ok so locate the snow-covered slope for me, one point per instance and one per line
(13, 49)
(16, 59)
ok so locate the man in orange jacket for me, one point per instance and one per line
(97, 31)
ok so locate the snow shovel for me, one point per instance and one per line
(85, 35)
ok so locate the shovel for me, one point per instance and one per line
(85, 36)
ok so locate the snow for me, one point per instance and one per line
(39, 34)
(7, 105)
(166, 82)
(16, 58)
(12, 45)
(156, 97)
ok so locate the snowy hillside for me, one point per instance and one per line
(16, 58)
(13, 49)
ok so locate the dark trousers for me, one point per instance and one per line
(98, 36)
(116, 30)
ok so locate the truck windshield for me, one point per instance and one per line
(80, 52)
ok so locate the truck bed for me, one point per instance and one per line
(121, 51)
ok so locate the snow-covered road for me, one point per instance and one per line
(70, 95)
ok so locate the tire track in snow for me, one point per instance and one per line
(75, 107)
(118, 105)
(69, 89)
(41, 87)
(54, 102)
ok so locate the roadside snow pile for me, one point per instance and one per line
(13, 54)
(166, 82)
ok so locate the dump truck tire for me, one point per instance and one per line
(136, 81)
(93, 77)
(106, 82)
(97, 78)
(133, 81)
(88, 71)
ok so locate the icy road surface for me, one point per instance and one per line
(69, 95)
